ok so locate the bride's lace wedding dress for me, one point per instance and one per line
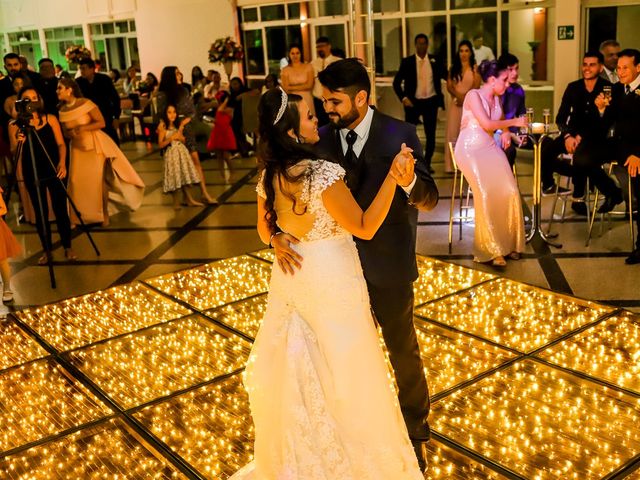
(320, 392)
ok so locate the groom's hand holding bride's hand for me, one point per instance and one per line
(288, 259)
(402, 168)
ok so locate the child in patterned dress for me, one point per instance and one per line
(179, 170)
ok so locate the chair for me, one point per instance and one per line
(463, 205)
(562, 197)
(595, 207)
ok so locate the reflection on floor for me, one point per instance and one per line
(143, 380)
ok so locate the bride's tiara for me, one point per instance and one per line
(284, 98)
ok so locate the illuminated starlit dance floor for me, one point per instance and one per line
(144, 381)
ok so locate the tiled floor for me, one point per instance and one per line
(156, 239)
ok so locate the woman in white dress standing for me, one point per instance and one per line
(499, 223)
(320, 392)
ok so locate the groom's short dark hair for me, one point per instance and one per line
(348, 76)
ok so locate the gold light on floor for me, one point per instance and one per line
(447, 464)
(40, 399)
(16, 347)
(178, 372)
(105, 452)
(543, 423)
(610, 351)
(210, 427)
(513, 314)
(266, 254)
(451, 357)
(157, 362)
(245, 315)
(438, 279)
(83, 320)
(217, 283)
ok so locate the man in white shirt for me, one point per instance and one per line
(418, 86)
(323, 59)
(481, 52)
(610, 50)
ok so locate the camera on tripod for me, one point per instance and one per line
(25, 108)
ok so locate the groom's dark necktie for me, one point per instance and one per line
(350, 157)
(627, 89)
(351, 162)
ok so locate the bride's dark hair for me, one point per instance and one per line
(277, 150)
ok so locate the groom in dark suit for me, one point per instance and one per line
(418, 86)
(624, 115)
(365, 142)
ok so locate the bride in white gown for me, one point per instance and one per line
(320, 392)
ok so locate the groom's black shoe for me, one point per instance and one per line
(420, 449)
(634, 258)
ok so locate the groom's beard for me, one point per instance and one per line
(339, 121)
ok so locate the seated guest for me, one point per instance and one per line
(512, 105)
(214, 86)
(148, 88)
(624, 115)
(131, 82)
(583, 134)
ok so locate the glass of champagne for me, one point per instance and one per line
(546, 119)
(606, 91)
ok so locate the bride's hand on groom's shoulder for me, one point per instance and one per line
(402, 168)
(287, 258)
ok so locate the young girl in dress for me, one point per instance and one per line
(9, 248)
(179, 170)
(222, 139)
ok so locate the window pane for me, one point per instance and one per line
(77, 32)
(335, 33)
(134, 56)
(99, 53)
(254, 55)
(327, 8)
(250, 14)
(386, 5)
(388, 46)
(482, 27)
(122, 27)
(435, 28)
(278, 41)
(132, 25)
(472, 3)
(272, 12)
(525, 34)
(107, 28)
(294, 10)
(425, 5)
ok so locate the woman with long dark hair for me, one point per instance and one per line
(172, 92)
(463, 76)
(49, 151)
(499, 230)
(321, 399)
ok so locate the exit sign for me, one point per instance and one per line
(566, 32)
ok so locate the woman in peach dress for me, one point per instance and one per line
(298, 76)
(98, 170)
(463, 76)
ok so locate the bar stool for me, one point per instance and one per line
(609, 214)
(464, 206)
(567, 157)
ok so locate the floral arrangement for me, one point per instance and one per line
(75, 53)
(225, 50)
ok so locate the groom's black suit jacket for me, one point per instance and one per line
(389, 258)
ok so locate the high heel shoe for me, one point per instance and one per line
(515, 256)
(499, 262)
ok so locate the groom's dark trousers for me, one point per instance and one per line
(388, 259)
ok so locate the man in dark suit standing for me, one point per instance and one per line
(417, 85)
(99, 88)
(365, 142)
(624, 114)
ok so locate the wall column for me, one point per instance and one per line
(567, 52)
